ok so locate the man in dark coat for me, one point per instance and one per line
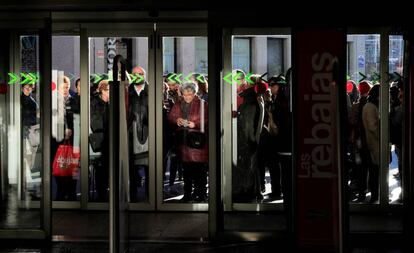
(250, 113)
(138, 132)
(99, 114)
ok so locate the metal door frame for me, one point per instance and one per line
(384, 205)
(127, 24)
(69, 30)
(228, 33)
(89, 30)
(172, 30)
(220, 58)
(38, 24)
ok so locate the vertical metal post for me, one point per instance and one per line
(159, 131)
(227, 123)
(84, 123)
(15, 112)
(384, 116)
(408, 140)
(46, 115)
(114, 158)
(215, 148)
(153, 117)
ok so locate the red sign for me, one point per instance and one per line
(318, 53)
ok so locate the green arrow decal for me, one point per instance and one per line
(140, 78)
(33, 77)
(177, 78)
(248, 78)
(201, 79)
(171, 78)
(98, 78)
(236, 78)
(226, 78)
(187, 78)
(136, 78)
(13, 78)
(27, 78)
(133, 78)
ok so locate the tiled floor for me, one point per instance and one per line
(176, 247)
(148, 226)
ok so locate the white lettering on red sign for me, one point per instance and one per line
(321, 137)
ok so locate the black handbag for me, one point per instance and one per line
(96, 140)
(196, 140)
(193, 139)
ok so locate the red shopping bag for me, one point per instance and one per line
(66, 161)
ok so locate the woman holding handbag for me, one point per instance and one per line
(189, 117)
(65, 162)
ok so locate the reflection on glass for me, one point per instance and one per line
(185, 119)
(30, 113)
(101, 54)
(396, 54)
(261, 120)
(20, 140)
(363, 93)
(65, 119)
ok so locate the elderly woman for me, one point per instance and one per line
(190, 116)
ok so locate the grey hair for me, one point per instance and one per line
(189, 86)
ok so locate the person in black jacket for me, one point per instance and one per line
(274, 150)
(138, 132)
(75, 103)
(358, 142)
(250, 113)
(29, 106)
(171, 96)
(99, 120)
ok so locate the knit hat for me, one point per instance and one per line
(364, 87)
(349, 86)
(261, 87)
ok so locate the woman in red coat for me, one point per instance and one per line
(189, 116)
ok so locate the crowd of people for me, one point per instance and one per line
(264, 137)
(363, 150)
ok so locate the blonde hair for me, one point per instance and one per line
(66, 80)
(103, 85)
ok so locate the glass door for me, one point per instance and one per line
(118, 66)
(24, 129)
(177, 53)
(182, 113)
(375, 86)
(257, 156)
